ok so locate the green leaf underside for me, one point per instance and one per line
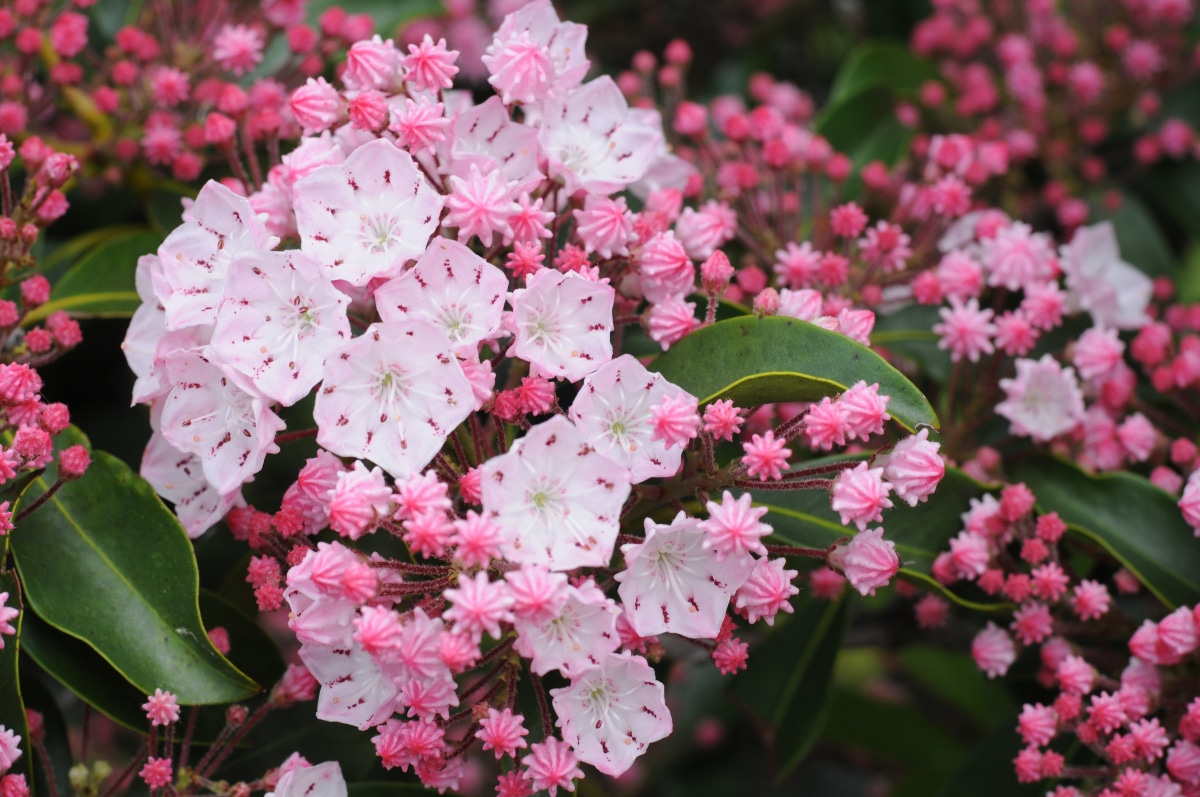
(804, 517)
(106, 562)
(101, 284)
(1136, 522)
(12, 706)
(757, 361)
(790, 690)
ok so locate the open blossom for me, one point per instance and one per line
(563, 324)
(611, 712)
(1043, 401)
(556, 498)
(674, 583)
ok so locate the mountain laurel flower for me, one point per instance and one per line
(868, 561)
(765, 456)
(503, 732)
(675, 420)
(1043, 400)
(965, 330)
(479, 605)
(767, 591)
(734, 528)
(551, 765)
(859, 494)
(914, 468)
(161, 708)
(993, 650)
(429, 65)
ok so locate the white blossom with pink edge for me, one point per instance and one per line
(611, 712)
(278, 320)
(452, 287)
(392, 395)
(674, 583)
(367, 216)
(613, 409)
(564, 323)
(556, 499)
(198, 253)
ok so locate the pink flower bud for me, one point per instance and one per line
(868, 561)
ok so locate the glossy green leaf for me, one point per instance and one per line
(101, 284)
(761, 360)
(804, 517)
(850, 124)
(105, 561)
(955, 678)
(789, 688)
(12, 707)
(1133, 520)
(883, 64)
(85, 673)
(873, 725)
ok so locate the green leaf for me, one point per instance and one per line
(1133, 520)
(761, 360)
(921, 532)
(85, 673)
(789, 687)
(12, 707)
(908, 333)
(82, 670)
(874, 725)
(954, 677)
(101, 284)
(987, 771)
(883, 64)
(106, 562)
(849, 124)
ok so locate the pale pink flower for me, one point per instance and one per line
(826, 424)
(1044, 399)
(970, 553)
(278, 320)
(476, 539)
(322, 780)
(10, 750)
(1177, 632)
(993, 651)
(317, 106)
(702, 231)
(392, 395)
(1049, 582)
(1098, 281)
(932, 611)
(578, 632)
(859, 494)
(421, 493)
(451, 287)
(367, 216)
(675, 583)
(7, 615)
(180, 479)
(1183, 762)
(563, 324)
(537, 592)
(533, 53)
(868, 561)
(675, 420)
(1044, 304)
(615, 411)
(1137, 436)
(611, 712)
(666, 271)
(1189, 501)
(1015, 335)
(556, 498)
(797, 265)
(1098, 352)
